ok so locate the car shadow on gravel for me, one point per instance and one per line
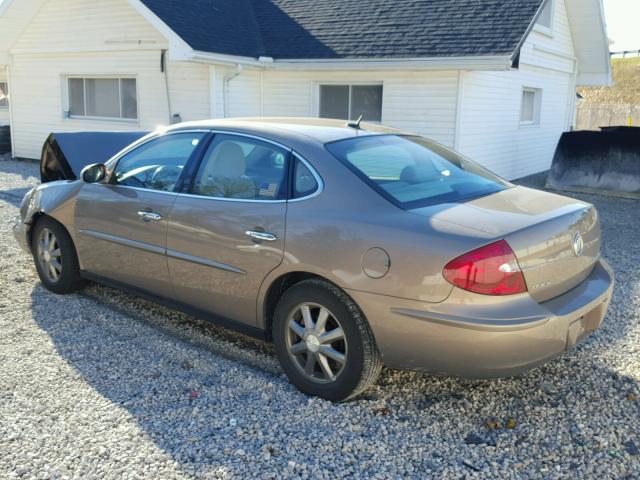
(187, 400)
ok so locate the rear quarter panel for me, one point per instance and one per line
(328, 235)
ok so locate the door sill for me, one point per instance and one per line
(227, 323)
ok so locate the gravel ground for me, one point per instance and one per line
(105, 385)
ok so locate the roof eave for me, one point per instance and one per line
(491, 62)
(594, 79)
(594, 42)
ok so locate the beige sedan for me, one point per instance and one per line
(349, 246)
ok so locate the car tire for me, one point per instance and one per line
(55, 257)
(338, 340)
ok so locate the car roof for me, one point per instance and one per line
(318, 129)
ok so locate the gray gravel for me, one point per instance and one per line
(105, 385)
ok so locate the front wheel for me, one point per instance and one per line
(55, 257)
(323, 341)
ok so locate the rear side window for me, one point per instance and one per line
(413, 172)
(304, 182)
(242, 168)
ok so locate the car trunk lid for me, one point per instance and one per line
(541, 228)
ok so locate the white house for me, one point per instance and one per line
(493, 79)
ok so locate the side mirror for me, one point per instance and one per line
(93, 173)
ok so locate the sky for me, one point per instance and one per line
(623, 23)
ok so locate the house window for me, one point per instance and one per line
(530, 109)
(4, 95)
(545, 19)
(103, 98)
(351, 101)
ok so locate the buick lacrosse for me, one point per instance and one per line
(348, 246)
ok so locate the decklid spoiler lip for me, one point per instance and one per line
(65, 154)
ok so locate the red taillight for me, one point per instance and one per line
(489, 270)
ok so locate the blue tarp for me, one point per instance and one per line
(64, 155)
(83, 148)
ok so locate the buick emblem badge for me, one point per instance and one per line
(578, 244)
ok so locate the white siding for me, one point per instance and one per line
(422, 102)
(490, 130)
(77, 37)
(553, 51)
(39, 83)
(4, 112)
(243, 93)
(189, 90)
(72, 25)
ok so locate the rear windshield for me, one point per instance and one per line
(414, 172)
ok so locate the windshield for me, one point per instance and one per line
(413, 172)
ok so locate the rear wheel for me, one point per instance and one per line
(55, 257)
(323, 341)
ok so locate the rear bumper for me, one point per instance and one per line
(477, 336)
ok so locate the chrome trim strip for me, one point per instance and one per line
(222, 199)
(147, 247)
(150, 190)
(249, 135)
(203, 261)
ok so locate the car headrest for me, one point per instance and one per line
(228, 161)
(418, 174)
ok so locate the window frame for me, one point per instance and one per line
(6, 92)
(537, 107)
(320, 84)
(539, 27)
(184, 184)
(67, 100)
(190, 170)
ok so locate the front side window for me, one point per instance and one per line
(4, 95)
(413, 172)
(350, 101)
(103, 98)
(242, 168)
(158, 163)
(530, 107)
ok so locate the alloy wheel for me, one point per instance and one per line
(316, 342)
(49, 255)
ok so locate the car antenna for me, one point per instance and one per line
(355, 124)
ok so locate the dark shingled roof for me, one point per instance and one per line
(334, 29)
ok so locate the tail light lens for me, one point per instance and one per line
(489, 270)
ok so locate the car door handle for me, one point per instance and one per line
(268, 237)
(150, 216)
